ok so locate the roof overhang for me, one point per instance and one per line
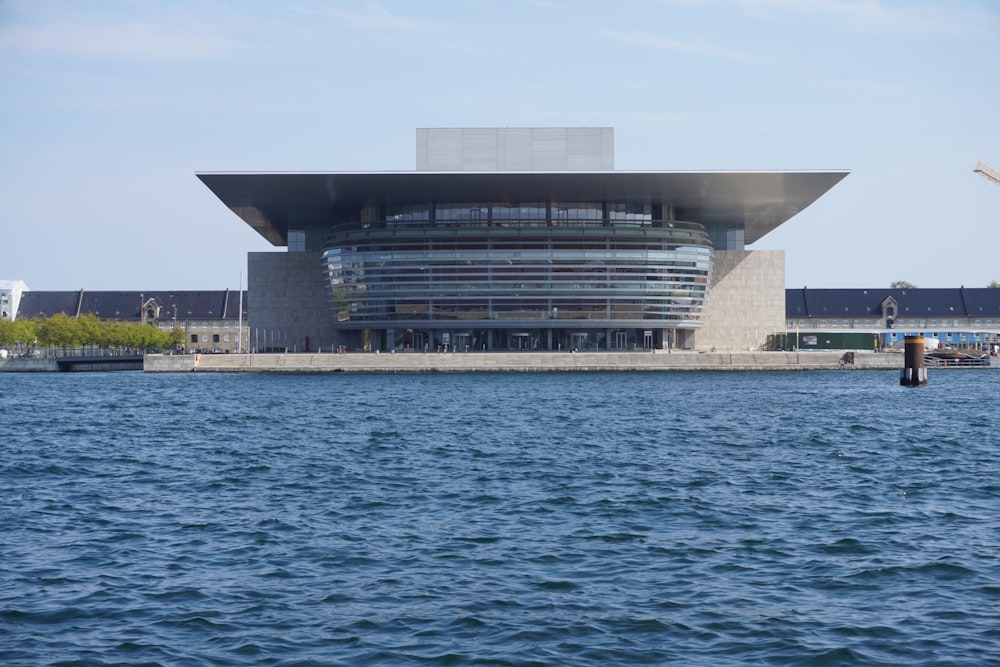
(272, 203)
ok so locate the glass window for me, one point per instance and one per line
(822, 323)
(461, 214)
(847, 323)
(194, 338)
(407, 215)
(576, 213)
(296, 240)
(631, 213)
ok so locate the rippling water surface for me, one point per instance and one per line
(829, 518)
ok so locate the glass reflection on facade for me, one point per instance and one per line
(517, 275)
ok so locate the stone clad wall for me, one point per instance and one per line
(287, 308)
(370, 362)
(746, 300)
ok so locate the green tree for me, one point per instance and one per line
(17, 333)
(177, 337)
(994, 284)
(902, 284)
(25, 332)
(6, 333)
(93, 330)
(60, 330)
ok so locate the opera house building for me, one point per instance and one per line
(516, 239)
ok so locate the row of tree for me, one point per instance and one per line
(87, 330)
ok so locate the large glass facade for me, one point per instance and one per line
(505, 276)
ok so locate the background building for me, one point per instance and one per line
(10, 298)
(211, 320)
(516, 238)
(960, 317)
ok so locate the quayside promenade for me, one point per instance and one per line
(463, 362)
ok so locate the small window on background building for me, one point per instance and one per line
(857, 323)
(847, 323)
(215, 338)
(194, 338)
(822, 323)
(868, 323)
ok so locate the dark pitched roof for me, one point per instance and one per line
(912, 303)
(203, 305)
(42, 304)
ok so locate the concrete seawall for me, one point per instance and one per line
(27, 365)
(431, 362)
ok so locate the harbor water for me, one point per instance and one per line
(774, 518)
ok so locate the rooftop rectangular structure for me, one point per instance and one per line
(516, 149)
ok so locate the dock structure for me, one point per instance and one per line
(507, 362)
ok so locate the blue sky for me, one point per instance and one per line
(108, 108)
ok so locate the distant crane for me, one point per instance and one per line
(987, 172)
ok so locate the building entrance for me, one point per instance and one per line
(520, 341)
(462, 341)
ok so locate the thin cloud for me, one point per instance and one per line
(135, 40)
(375, 17)
(696, 48)
(867, 15)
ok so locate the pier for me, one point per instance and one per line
(464, 362)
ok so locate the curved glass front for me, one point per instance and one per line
(655, 273)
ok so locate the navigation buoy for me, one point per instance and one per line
(913, 373)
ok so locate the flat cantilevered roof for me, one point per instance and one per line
(760, 201)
